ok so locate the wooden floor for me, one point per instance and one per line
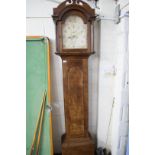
(57, 154)
(95, 153)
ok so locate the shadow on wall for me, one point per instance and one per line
(57, 98)
(93, 78)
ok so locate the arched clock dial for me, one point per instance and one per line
(74, 33)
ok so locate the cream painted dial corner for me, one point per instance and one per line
(74, 32)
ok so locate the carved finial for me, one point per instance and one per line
(74, 1)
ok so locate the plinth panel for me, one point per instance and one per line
(82, 146)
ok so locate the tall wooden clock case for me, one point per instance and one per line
(74, 39)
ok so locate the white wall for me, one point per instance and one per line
(104, 86)
(121, 107)
(108, 52)
(113, 108)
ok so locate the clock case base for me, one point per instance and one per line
(78, 146)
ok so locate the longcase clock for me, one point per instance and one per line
(74, 38)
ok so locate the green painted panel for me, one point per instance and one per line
(36, 84)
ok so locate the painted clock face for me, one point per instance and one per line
(74, 32)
